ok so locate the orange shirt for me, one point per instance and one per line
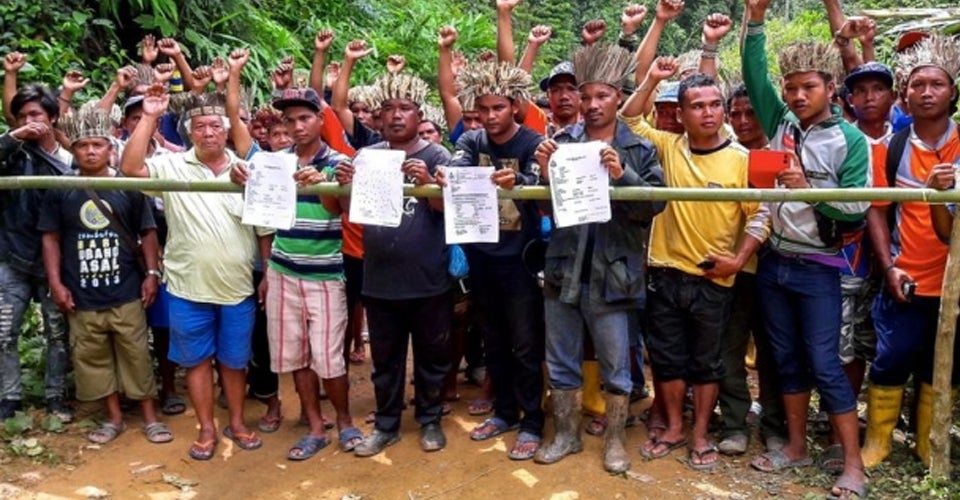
(878, 156)
(922, 255)
(333, 134)
(536, 119)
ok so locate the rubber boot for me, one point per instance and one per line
(566, 423)
(883, 410)
(924, 422)
(593, 402)
(615, 457)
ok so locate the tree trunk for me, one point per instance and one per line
(943, 361)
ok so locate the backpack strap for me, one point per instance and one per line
(895, 150)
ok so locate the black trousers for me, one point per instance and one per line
(263, 382)
(392, 325)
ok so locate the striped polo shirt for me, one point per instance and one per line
(311, 249)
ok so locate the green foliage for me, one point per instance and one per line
(17, 424)
(33, 355)
(58, 38)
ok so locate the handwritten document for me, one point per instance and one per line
(579, 184)
(376, 198)
(270, 196)
(470, 206)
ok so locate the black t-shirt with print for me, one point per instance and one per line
(519, 219)
(95, 264)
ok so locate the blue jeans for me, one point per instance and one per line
(906, 336)
(16, 290)
(610, 331)
(801, 306)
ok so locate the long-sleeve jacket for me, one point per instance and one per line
(618, 261)
(20, 242)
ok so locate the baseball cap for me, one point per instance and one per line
(564, 68)
(870, 69)
(305, 97)
(669, 92)
(132, 102)
(909, 39)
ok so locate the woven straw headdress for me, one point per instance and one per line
(936, 51)
(88, 121)
(489, 78)
(602, 62)
(804, 57)
(364, 94)
(190, 105)
(434, 114)
(400, 86)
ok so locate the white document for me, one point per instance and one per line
(579, 184)
(270, 197)
(376, 197)
(470, 206)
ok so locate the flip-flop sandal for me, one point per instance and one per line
(524, 438)
(831, 460)
(446, 408)
(776, 461)
(358, 357)
(349, 439)
(246, 441)
(269, 424)
(371, 417)
(491, 427)
(848, 489)
(700, 454)
(158, 433)
(479, 407)
(308, 446)
(657, 443)
(173, 405)
(106, 432)
(203, 450)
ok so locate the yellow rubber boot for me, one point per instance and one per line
(883, 410)
(924, 422)
(593, 401)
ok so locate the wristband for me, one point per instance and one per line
(710, 47)
(154, 272)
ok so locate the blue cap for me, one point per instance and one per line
(564, 68)
(871, 69)
(669, 92)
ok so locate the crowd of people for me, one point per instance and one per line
(820, 289)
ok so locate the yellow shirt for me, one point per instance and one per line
(687, 231)
(209, 254)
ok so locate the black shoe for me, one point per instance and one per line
(59, 409)
(432, 438)
(9, 407)
(639, 393)
(375, 443)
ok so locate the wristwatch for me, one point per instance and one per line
(154, 272)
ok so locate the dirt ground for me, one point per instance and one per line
(132, 468)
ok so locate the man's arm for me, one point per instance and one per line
(764, 97)
(12, 64)
(452, 110)
(662, 69)
(239, 134)
(355, 50)
(942, 222)
(538, 36)
(321, 44)
(51, 264)
(73, 82)
(841, 29)
(630, 21)
(666, 11)
(133, 161)
(170, 48)
(505, 30)
(123, 81)
(715, 27)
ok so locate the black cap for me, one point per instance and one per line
(870, 69)
(564, 68)
(307, 98)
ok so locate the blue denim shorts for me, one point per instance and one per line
(200, 330)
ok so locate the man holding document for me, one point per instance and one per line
(508, 299)
(303, 292)
(406, 286)
(595, 273)
(694, 257)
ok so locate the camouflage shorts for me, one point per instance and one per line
(858, 340)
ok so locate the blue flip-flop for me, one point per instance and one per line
(308, 446)
(495, 426)
(350, 438)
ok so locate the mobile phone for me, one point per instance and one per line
(908, 288)
(764, 165)
(707, 265)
